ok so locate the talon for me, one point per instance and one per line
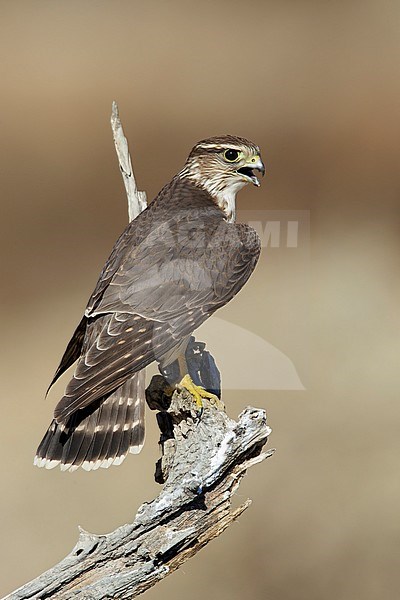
(199, 393)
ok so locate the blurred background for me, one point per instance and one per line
(317, 86)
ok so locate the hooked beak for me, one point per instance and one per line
(255, 163)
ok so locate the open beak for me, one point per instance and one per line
(254, 164)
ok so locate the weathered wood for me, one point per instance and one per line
(136, 200)
(207, 458)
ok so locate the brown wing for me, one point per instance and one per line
(72, 351)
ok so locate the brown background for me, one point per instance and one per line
(316, 85)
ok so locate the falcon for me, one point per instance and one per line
(179, 261)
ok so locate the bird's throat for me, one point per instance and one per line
(227, 203)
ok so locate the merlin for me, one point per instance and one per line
(180, 260)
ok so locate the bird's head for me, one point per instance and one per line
(222, 166)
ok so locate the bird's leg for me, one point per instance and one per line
(197, 391)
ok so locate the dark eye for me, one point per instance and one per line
(231, 155)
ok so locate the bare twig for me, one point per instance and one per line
(136, 200)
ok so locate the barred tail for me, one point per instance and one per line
(99, 435)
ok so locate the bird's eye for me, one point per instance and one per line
(231, 155)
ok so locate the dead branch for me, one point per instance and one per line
(205, 462)
(136, 200)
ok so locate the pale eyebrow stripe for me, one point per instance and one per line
(219, 147)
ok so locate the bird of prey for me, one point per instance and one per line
(179, 261)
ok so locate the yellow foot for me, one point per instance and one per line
(199, 393)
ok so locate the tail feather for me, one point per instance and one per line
(80, 435)
(131, 436)
(112, 442)
(95, 453)
(116, 417)
(99, 435)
